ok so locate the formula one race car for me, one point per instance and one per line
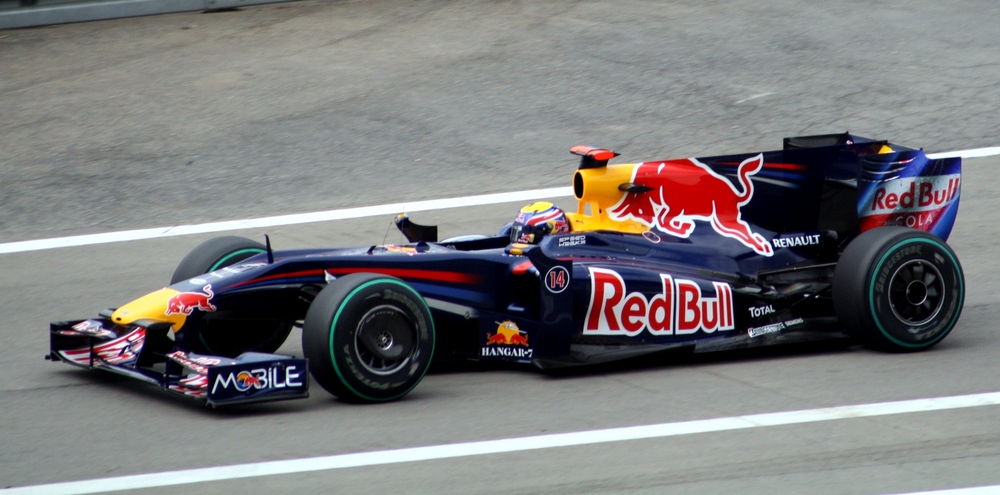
(832, 236)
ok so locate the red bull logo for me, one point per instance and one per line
(245, 380)
(507, 334)
(916, 202)
(509, 341)
(679, 308)
(186, 302)
(671, 195)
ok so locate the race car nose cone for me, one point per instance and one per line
(153, 306)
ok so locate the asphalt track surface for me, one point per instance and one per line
(309, 106)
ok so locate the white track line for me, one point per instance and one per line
(342, 214)
(297, 218)
(976, 153)
(416, 454)
(975, 490)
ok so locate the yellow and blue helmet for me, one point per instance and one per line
(537, 220)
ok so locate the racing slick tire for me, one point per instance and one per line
(368, 338)
(230, 337)
(898, 289)
(213, 254)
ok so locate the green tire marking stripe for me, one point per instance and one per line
(871, 293)
(221, 263)
(336, 317)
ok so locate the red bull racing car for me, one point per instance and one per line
(832, 236)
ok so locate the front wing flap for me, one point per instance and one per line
(146, 353)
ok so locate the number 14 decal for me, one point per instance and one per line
(557, 279)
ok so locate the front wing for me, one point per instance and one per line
(145, 353)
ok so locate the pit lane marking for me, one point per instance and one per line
(974, 153)
(434, 452)
(973, 490)
(341, 214)
(292, 219)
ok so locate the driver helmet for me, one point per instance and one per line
(537, 220)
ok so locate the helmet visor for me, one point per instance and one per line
(529, 234)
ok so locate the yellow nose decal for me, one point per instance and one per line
(152, 306)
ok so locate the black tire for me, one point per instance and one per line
(213, 254)
(898, 289)
(230, 337)
(368, 338)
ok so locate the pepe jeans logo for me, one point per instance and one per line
(572, 240)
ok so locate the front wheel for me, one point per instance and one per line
(898, 289)
(214, 254)
(230, 337)
(368, 338)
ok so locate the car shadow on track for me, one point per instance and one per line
(663, 359)
(685, 357)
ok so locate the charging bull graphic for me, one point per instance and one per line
(671, 195)
(509, 343)
(186, 302)
(507, 334)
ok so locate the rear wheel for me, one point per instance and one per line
(368, 337)
(230, 337)
(898, 289)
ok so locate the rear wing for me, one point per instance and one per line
(908, 189)
(841, 139)
(895, 185)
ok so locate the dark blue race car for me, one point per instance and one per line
(831, 236)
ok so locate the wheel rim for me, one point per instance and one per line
(385, 340)
(916, 292)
